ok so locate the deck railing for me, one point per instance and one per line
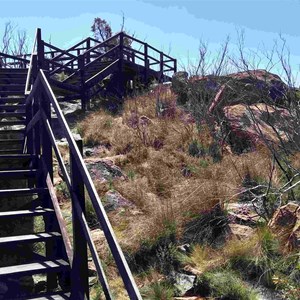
(41, 141)
(12, 61)
(130, 48)
(41, 105)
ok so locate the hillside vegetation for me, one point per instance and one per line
(194, 215)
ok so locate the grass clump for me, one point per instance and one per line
(224, 284)
(159, 291)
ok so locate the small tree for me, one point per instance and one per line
(101, 29)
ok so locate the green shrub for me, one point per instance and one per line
(223, 284)
(159, 291)
(203, 163)
(196, 149)
(208, 228)
(160, 254)
(90, 213)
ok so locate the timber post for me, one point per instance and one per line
(79, 276)
(83, 92)
(40, 49)
(121, 64)
(146, 63)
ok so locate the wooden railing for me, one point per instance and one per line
(12, 61)
(41, 141)
(32, 69)
(130, 49)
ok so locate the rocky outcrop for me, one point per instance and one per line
(246, 107)
(248, 126)
(286, 224)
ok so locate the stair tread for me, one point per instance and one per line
(10, 140)
(22, 191)
(12, 123)
(26, 212)
(29, 237)
(4, 106)
(12, 131)
(9, 173)
(11, 114)
(53, 296)
(17, 156)
(9, 99)
(34, 268)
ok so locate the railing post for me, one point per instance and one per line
(53, 248)
(45, 141)
(175, 65)
(88, 46)
(146, 63)
(82, 83)
(40, 49)
(121, 64)
(161, 67)
(79, 275)
(29, 135)
(34, 70)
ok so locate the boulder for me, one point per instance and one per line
(183, 282)
(114, 200)
(249, 87)
(285, 223)
(104, 170)
(262, 79)
(242, 232)
(249, 126)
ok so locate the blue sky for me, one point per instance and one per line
(174, 25)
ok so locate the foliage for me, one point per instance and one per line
(158, 291)
(224, 284)
(160, 254)
(101, 29)
(209, 228)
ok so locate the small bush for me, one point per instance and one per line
(160, 254)
(91, 216)
(209, 228)
(223, 284)
(196, 149)
(159, 291)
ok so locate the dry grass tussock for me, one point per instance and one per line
(167, 184)
(203, 259)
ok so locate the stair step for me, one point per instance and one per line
(12, 93)
(34, 268)
(8, 79)
(12, 100)
(12, 87)
(53, 296)
(21, 192)
(12, 114)
(29, 238)
(12, 123)
(12, 131)
(18, 156)
(16, 174)
(14, 71)
(10, 141)
(12, 151)
(26, 213)
(12, 107)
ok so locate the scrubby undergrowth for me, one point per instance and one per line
(180, 186)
